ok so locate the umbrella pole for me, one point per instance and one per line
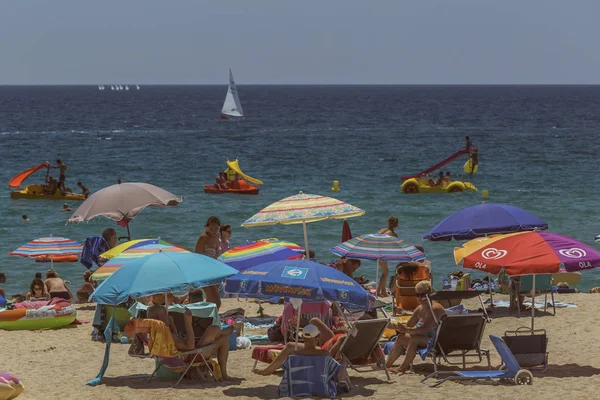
(376, 280)
(128, 233)
(307, 251)
(533, 303)
(298, 310)
(491, 292)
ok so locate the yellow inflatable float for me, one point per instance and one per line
(37, 191)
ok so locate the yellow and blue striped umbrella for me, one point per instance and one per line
(131, 250)
(301, 209)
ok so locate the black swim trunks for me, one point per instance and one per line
(60, 295)
(61, 178)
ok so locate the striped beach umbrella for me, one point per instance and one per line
(250, 254)
(301, 209)
(132, 250)
(378, 247)
(49, 246)
(285, 243)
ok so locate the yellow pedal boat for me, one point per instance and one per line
(36, 192)
(423, 185)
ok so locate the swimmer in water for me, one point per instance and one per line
(66, 207)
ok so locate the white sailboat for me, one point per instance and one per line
(232, 106)
(126, 87)
(112, 87)
(137, 87)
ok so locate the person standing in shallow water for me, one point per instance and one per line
(392, 224)
(208, 244)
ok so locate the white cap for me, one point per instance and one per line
(310, 331)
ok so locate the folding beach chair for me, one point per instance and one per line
(362, 344)
(458, 342)
(543, 285)
(309, 376)
(529, 347)
(182, 361)
(321, 310)
(509, 371)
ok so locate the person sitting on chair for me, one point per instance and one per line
(212, 335)
(316, 337)
(418, 332)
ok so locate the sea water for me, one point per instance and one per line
(538, 150)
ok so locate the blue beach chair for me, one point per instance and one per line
(509, 371)
(309, 376)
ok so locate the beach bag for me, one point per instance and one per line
(137, 347)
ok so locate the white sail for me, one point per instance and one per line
(112, 87)
(126, 87)
(232, 105)
(137, 87)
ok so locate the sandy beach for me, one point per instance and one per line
(57, 364)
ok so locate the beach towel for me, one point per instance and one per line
(161, 342)
(309, 376)
(92, 248)
(266, 354)
(321, 310)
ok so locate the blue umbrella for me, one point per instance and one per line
(300, 279)
(157, 273)
(483, 220)
(161, 273)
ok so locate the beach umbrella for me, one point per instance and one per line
(49, 248)
(301, 280)
(157, 273)
(527, 253)
(484, 220)
(346, 232)
(250, 254)
(302, 209)
(289, 245)
(131, 250)
(378, 247)
(122, 202)
(161, 272)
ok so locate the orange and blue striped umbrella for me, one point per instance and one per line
(49, 246)
(255, 253)
(133, 250)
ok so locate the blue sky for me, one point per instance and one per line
(300, 42)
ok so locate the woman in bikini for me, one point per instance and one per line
(37, 291)
(392, 224)
(418, 332)
(208, 244)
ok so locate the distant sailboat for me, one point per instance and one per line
(112, 87)
(232, 106)
(126, 87)
(137, 87)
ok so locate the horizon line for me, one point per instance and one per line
(302, 84)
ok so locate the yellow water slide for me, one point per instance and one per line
(235, 166)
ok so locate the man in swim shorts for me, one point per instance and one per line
(61, 178)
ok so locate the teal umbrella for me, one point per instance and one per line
(161, 272)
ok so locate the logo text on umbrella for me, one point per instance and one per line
(294, 272)
(574, 252)
(493, 254)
